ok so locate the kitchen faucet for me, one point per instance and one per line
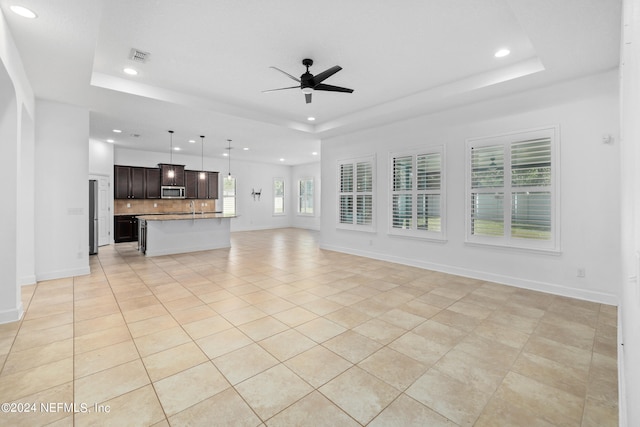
(192, 206)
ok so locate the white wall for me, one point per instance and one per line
(585, 110)
(252, 215)
(629, 311)
(26, 255)
(100, 158)
(311, 222)
(16, 130)
(62, 194)
(10, 305)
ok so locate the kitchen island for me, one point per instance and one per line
(181, 233)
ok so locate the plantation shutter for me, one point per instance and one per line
(364, 188)
(355, 200)
(428, 167)
(512, 199)
(402, 202)
(278, 196)
(305, 202)
(416, 200)
(530, 177)
(346, 196)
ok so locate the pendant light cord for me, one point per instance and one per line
(202, 157)
(229, 149)
(171, 147)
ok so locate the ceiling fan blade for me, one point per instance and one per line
(318, 78)
(331, 88)
(286, 74)
(282, 88)
(307, 97)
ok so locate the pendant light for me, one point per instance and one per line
(203, 175)
(171, 172)
(229, 155)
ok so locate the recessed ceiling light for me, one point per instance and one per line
(282, 160)
(246, 148)
(502, 53)
(111, 141)
(225, 154)
(311, 119)
(192, 141)
(177, 148)
(117, 131)
(315, 153)
(130, 71)
(23, 11)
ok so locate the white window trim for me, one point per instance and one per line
(551, 246)
(284, 197)
(438, 236)
(313, 197)
(358, 227)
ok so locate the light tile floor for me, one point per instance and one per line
(275, 331)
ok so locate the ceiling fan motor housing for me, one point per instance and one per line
(309, 82)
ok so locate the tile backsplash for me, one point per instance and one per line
(161, 206)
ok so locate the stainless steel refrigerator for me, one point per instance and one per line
(93, 217)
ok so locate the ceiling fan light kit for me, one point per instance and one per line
(310, 83)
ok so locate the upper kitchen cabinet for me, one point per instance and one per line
(191, 179)
(172, 175)
(198, 188)
(129, 182)
(152, 178)
(212, 186)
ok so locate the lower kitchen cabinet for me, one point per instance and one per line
(125, 228)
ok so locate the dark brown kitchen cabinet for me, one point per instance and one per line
(191, 179)
(172, 175)
(152, 178)
(212, 186)
(129, 182)
(125, 228)
(197, 188)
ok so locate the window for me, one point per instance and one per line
(229, 196)
(355, 193)
(278, 196)
(512, 190)
(417, 196)
(305, 196)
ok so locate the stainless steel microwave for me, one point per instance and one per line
(167, 192)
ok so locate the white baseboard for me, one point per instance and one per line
(550, 288)
(60, 274)
(13, 315)
(622, 399)
(27, 280)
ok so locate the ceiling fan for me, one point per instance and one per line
(309, 82)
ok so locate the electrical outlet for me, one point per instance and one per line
(581, 272)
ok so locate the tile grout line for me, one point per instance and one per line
(130, 335)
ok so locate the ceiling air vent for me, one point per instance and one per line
(139, 56)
